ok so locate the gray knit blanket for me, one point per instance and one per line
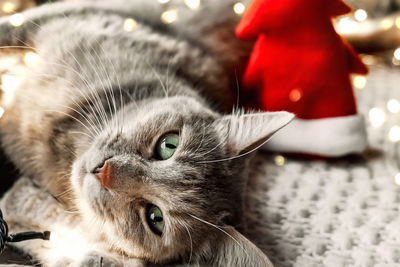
(333, 213)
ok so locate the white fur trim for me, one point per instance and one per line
(332, 137)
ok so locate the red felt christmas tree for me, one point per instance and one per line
(300, 64)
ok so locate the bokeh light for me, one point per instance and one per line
(239, 8)
(393, 105)
(360, 15)
(169, 16)
(394, 133)
(17, 20)
(377, 117)
(130, 25)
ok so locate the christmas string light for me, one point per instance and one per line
(347, 26)
(387, 23)
(394, 133)
(17, 20)
(397, 179)
(295, 95)
(369, 59)
(279, 160)
(31, 59)
(8, 7)
(6, 238)
(130, 25)
(169, 16)
(396, 53)
(397, 22)
(393, 105)
(377, 117)
(360, 15)
(192, 4)
(359, 81)
(239, 8)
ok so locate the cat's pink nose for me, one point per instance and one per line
(103, 174)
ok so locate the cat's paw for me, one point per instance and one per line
(95, 260)
(89, 260)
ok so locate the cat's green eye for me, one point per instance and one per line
(166, 146)
(155, 219)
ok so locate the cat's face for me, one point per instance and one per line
(157, 175)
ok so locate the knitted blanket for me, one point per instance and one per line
(335, 213)
(338, 212)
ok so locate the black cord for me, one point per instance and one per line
(4, 237)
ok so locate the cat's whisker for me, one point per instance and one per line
(72, 117)
(167, 82)
(91, 134)
(63, 193)
(64, 66)
(223, 141)
(234, 157)
(94, 92)
(103, 113)
(201, 141)
(99, 106)
(118, 83)
(86, 114)
(14, 47)
(76, 132)
(237, 89)
(220, 229)
(191, 244)
(104, 79)
(158, 78)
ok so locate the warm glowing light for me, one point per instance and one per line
(31, 59)
(239, 8)
(295, 95)
(163, 1)
(346, 25)
(360, 15)
(377, 117)
(387, 23)
(279, 160)
(130, 25)
(193, 4)
(397, 53)
(8, 7)
(1, 112)
(368, 59)
(393, 105)
(397, 178)
(395, 61)
(359, 81)
(169, 16)
(8, 83)
(17, 20)
(394, 133)
(398, 22)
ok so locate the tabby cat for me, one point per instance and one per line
(121, 120)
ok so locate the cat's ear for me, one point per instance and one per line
(248, 131)
(236, 250)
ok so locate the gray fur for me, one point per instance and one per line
(100, 92)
